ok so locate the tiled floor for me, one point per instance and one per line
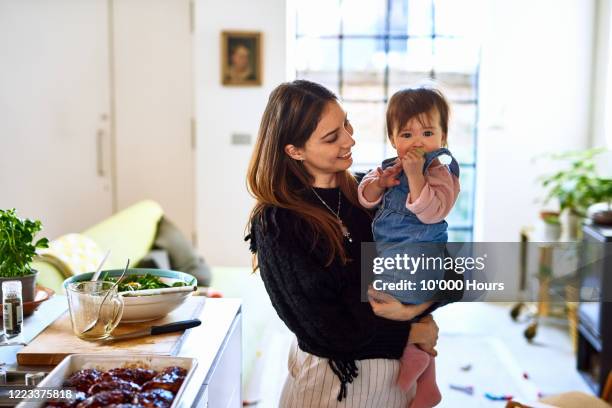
(479, 335)
(502, 361)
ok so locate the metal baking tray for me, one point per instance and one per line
(103, 362)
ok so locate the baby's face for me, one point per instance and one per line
(421, 132)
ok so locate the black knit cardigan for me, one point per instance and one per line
(321, 304)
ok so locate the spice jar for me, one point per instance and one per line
(33, 379)
(12, 308)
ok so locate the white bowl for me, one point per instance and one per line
(149, 307)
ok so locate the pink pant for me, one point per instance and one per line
(418, 366)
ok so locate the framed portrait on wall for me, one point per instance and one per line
(241, 58)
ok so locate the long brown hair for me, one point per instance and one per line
(276, 180)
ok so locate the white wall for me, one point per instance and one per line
(222, 202)
(602, 90)
(535, 97)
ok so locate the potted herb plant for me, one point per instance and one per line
(576, 187)
(17, 249)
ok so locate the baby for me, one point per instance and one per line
(414, 193)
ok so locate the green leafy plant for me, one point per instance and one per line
(139, 282)
(17, 247)
(577, 186)
(604, 192)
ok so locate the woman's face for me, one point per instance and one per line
(328, 150)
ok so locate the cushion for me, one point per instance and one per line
(155, 259)
(183, 256)
(128, 233)
(72, 254)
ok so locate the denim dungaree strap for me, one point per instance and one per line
(398, 231)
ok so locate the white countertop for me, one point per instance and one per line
(204, 342)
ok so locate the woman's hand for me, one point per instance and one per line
(425, 335)
(388, 307)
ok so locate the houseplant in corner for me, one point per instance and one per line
(576, 187)
(17, 249)
(603, 214)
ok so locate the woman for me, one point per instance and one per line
(306, 230)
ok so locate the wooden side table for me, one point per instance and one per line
(548, 290)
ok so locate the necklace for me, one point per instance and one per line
(345, 231)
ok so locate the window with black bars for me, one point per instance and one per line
(366, 50)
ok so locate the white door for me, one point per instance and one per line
(153, 103)
(54, 112)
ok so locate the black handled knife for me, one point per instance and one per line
(153, 330)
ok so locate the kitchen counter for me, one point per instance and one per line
(216, 344)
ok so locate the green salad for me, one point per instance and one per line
(142, 282)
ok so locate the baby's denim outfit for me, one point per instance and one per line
(398, 231)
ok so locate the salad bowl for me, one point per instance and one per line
(141, 297)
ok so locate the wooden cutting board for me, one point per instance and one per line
(58, 341)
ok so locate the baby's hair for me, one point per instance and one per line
(416, 102)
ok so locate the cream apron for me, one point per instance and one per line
(311, 383)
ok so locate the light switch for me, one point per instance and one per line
(241, 139)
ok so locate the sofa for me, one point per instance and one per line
(128, 234)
